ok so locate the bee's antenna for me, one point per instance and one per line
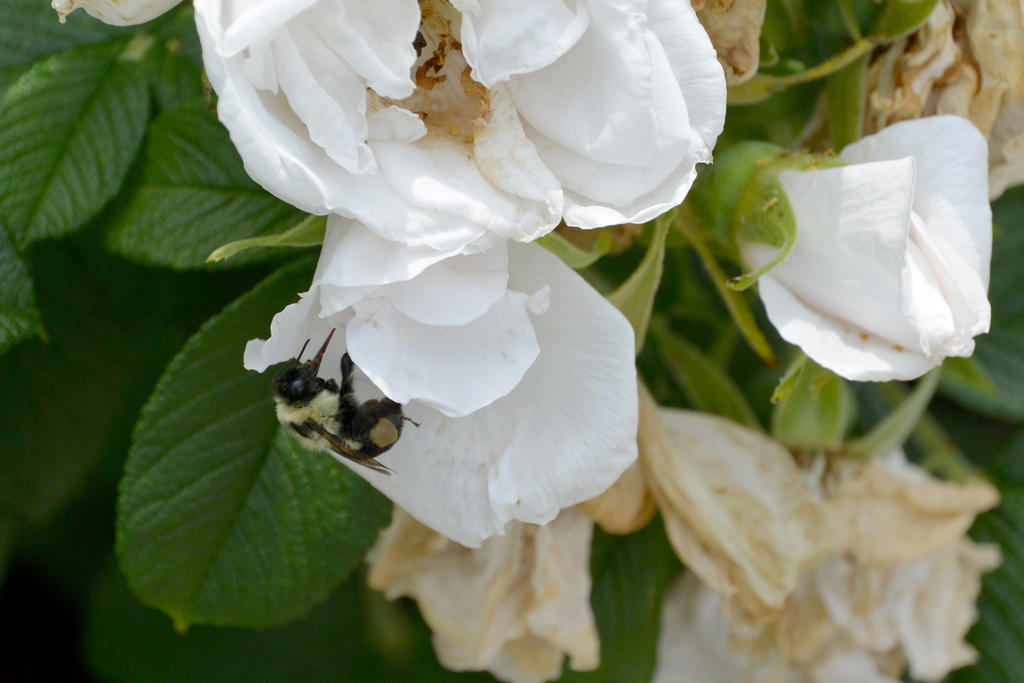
(314, 362)
(289, 366)
(301, 351)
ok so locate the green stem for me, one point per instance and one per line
(733, 300)
(846, 100)
(762, 86)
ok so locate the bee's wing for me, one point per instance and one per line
(341, 449)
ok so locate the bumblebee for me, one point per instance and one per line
(326, 417)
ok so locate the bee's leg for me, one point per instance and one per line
(303, 429)
(347, 366)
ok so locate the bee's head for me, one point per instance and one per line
(298, 382)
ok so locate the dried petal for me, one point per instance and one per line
(626, 506)
(847, 623)
(515, 606)
(977, 73)
(734, 27)
(735, 506)
(901, 514)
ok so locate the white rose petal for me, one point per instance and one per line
(502, 38)
(520, 375)
(889, 273)
(454, 369)
(432, 124)
(116, 12)
(648, 178)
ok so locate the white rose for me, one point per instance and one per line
(890, 270)
(520, 375)
(116, 12)
(455, 125)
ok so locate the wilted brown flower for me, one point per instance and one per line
(514, 606)
(735, 30)
(967, 60)
(746, 519)
(831, 569)
(848, 622)
(735, 506)
(898, 512)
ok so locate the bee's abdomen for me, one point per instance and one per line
(376, 425)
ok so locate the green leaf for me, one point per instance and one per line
(72, 400)
(719, 187)
(966, 374)
(635, 296)
(998, 354)
(308, 232)
(850, 19)
(891, 432)
(222, 517)
(790, 380)
(178, 27)
(356, 635)
(69, 129)
(764, 216)
(19, 316)
(174, 65)
(573, 256)
(29, 31)
(817, 412)
(930, 446)
(998, 634)
(8, 536)
(175, 79)
(195, 196)
(706, 386)
(67, 393)
(900, 17)
(1006, 461)
(630, 576)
